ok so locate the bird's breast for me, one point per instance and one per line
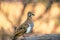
(30, 27)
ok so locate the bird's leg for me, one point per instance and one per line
(21, 38)
(25, 35)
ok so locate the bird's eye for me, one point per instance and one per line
(29, 14)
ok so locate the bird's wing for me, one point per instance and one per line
(21, 30)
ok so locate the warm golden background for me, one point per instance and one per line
(12, 14)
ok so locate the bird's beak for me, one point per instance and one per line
(33, 14)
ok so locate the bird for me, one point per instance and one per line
(26, 27)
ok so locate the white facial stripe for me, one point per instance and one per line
(29, 14)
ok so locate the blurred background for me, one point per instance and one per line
(46, 20)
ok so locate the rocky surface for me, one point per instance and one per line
(41, 37)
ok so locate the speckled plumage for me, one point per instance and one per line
(26, 27)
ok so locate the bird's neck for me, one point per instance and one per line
(29, 18)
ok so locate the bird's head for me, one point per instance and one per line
(30, 14)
